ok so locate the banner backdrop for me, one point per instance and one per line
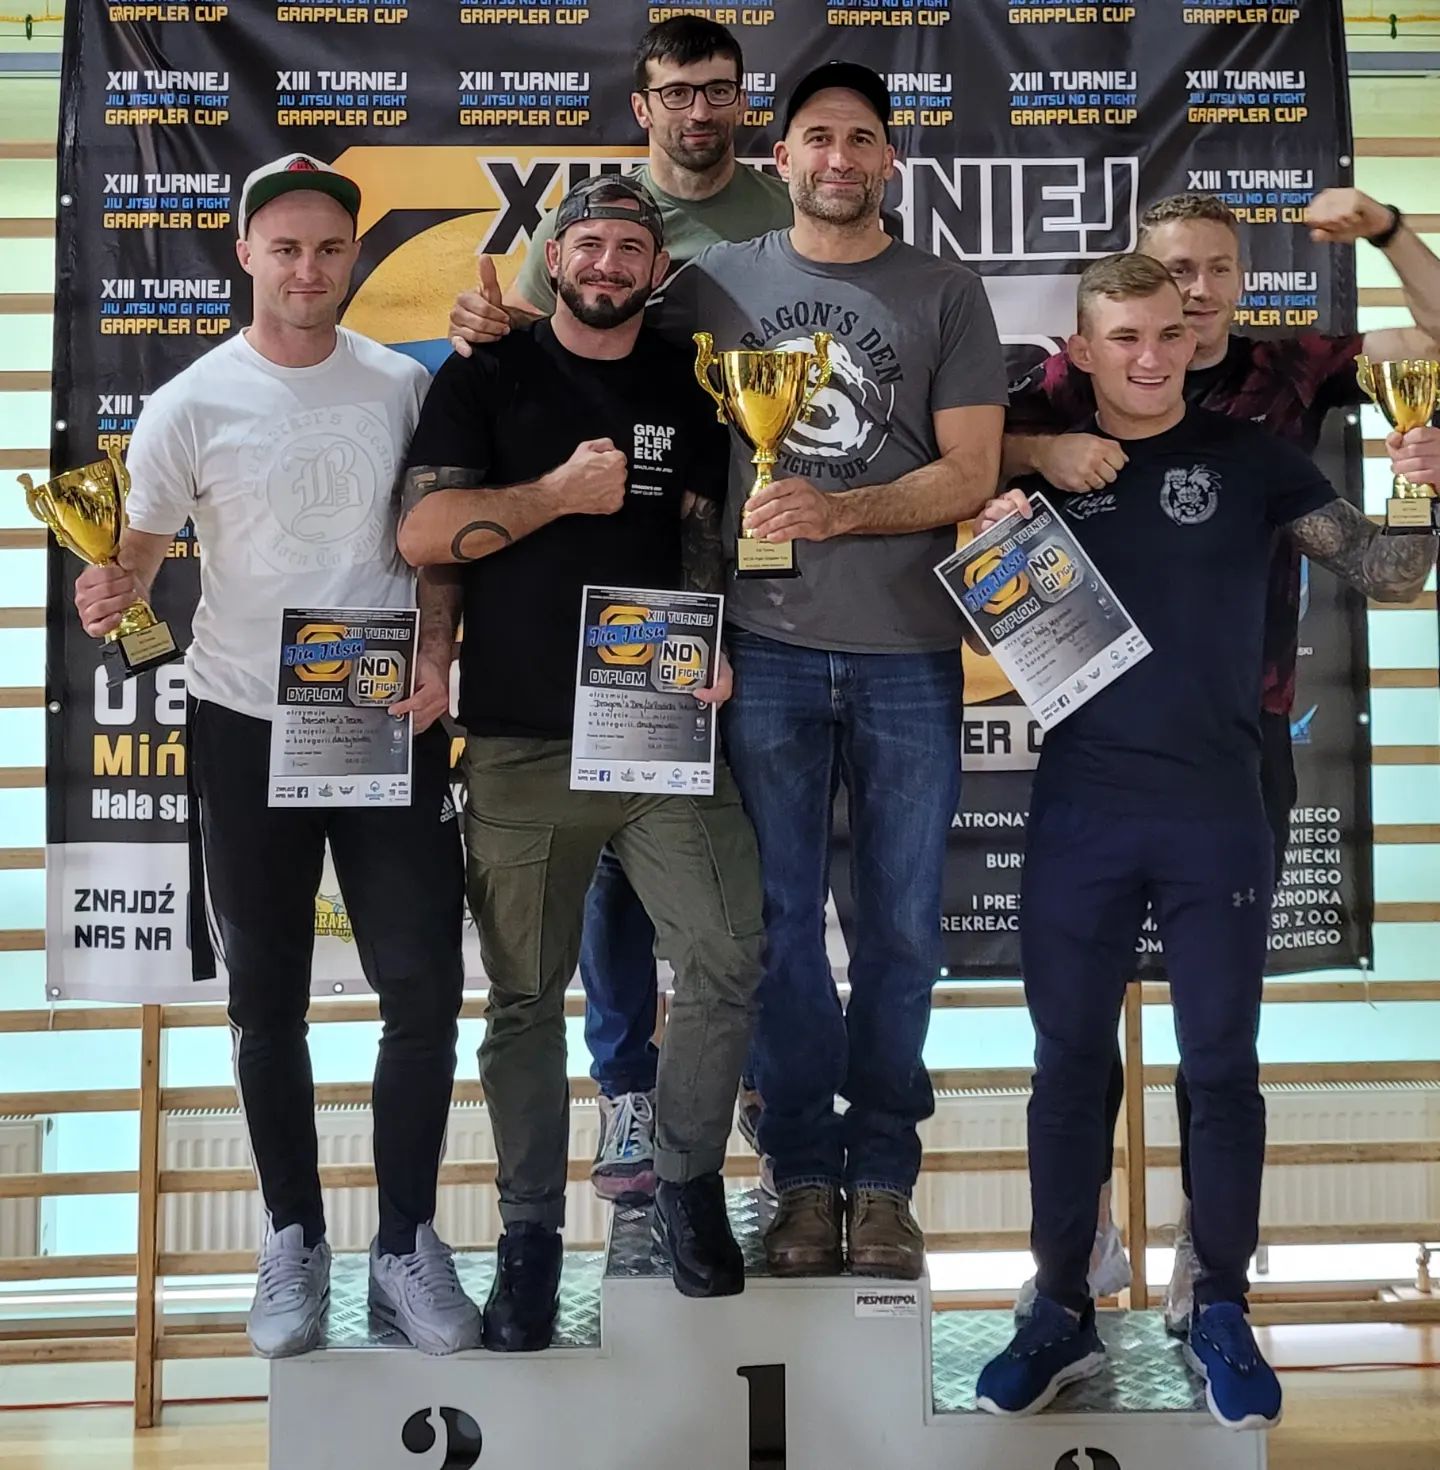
(1029, 134)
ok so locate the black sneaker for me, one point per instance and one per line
(520, 1313)
(690, 1222)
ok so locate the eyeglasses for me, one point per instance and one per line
(678, 96)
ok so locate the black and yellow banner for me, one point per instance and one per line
(1030, 137)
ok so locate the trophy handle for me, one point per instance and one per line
(1365, 374)
(122, 490)
(822, 373)
(704, 356)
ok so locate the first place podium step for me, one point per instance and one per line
(833, 1373)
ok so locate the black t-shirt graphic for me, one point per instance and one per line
(1184, 537)
(514, 411)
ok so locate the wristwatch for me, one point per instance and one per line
(1386, 235)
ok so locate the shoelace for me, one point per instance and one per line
(430, 1275)
(1229, 1333)
(710, 1227)
(1046, 1325)
(283, 1275)
(632, 1118)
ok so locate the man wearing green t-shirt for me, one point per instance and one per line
(689, 96)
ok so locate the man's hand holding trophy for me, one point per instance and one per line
(85, 508)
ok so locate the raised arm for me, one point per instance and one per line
(1387, 568)
(1343, 216)
(448, 518)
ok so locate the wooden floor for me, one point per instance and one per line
(1370, 1420)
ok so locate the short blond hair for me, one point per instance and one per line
(1127, 277)
(1180, 207)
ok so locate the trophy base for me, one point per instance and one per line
(1414, 515)
(756, 558)
(132, 654)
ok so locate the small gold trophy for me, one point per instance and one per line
(762, 394)
(85, 508)
(1405, 391)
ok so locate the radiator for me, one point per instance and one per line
(1326, 1194)
(20, 1153)
(1353, 1194)
(464, 1214)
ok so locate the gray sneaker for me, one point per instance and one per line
(292, 1295)
(420, 1296)
(624, 1167)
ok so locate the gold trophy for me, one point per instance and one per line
(762, 394)
(85, 508)
(1405, 391)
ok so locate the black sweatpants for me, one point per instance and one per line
(402, 880)
(1280, 791)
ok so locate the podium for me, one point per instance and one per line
(832, 1373)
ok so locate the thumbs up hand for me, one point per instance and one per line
(478, 315)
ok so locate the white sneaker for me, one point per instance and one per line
(420, 1295)
(624, 1167)
(1180, 1294)
(1109, 1270)
(292, 1295)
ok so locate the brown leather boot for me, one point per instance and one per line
(804, 1237)
(883, 1237)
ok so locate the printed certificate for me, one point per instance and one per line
(1041, 609)
(637, 725)
(333, 741)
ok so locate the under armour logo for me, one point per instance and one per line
(1239, 900)
(462, 1438)
(1087, 1459)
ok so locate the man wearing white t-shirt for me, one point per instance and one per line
(284, 445)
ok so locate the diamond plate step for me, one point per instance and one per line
(350, 1325)
(1146, 1374)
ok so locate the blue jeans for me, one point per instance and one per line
(1088, 876)
(617, 968)
(888, 725)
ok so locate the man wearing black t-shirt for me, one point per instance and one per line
(551, 413)
(1150, 794)
(1289, 384)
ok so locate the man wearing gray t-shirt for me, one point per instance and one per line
(850, 672)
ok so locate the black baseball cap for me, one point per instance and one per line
(848, 74)
(610, 196)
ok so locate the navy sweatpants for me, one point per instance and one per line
(1088, 877)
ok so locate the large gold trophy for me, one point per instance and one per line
(762, 394)
(1405, 391)
(85, 508)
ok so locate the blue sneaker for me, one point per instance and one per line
(1240, 1386)
(1051, 1348)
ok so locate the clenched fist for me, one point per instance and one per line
(1079, 462)
(1343, 216)
(592, 481)
(101, 595)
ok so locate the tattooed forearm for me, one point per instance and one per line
(440, 599)
(425, 479)
(457, 546)
(702, 556)
(1387, 568)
